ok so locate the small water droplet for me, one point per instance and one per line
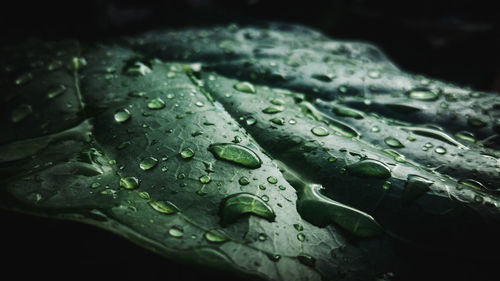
(307, 260)
(281, 187)
(156, 103)
(387, 185)
(262, 237)
(144, 195)
(129, 182)
(122, 115)
(301, 237)
(199, 104)
(375, 129)
(243, 181)
(277, 102)
(393, 142)
(320, 131)
(323, 77)
(251, 121)
(262, 187)
(273, 109)
(205, 179)
(245, 87)
(136, 68)
(237, 139)
(272, 180)
(332, 159)
(95, 185)
(20, 112)
(440, 150)
(298, 227)
(265, 198)
(148, 163)
(292, 121)
(56, 91)
(347, 112)
(369, 168)
(278, 121)
(23, 79)
(374, 74)
(187, 153)
(423, 94)
(215, 236)
(476, 122)
(176, 231)
(164, 207)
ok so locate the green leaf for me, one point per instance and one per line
(273, 152)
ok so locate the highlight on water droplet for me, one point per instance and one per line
(56, 91)
(122, 115)
(129, 182)
(245, 87)
(236, 153)
(155, 103)
(148, 163)
(164, 207)
(187, 153)
(176, 231)
(320, 131)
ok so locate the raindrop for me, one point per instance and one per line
(187, 153)
(56, 91)
(245, 87)
(129, 182)
(393, 142)
(148, 163)
(236, 153)
(122, 115)
(320, 131)
(20, 112)
(156, 103)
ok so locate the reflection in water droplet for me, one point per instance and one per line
(215, 236)
(164, 207)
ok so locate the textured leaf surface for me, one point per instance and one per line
(273, 152)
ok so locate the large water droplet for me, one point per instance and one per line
(245, 87)
(369, 168)
(236, 153)
(20, 112)
(164, 207)
(320, 131)
(393, 142)
(237, 205)
(122, 115)
(129, 182)
(148, 163)
(156, 103)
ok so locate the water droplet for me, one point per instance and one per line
(187, 153)
(281, 187)
(415, 187)
(324, 77)
(215, 236)
(298, 227)
(243, 181)
(156, 103)
(205, 179)
(56, 91)
(476, 122)
(181, 176)
(54, 65)
(273, 257)
(95, 185)
(478, 198)
(77, 64)
(148, 163)
(470, 183)
(199, 104)
(237, 205)
(176, 231)
(136, 68)
(332, 159)
(24, 78)
(320, 131)
(278, 121)
(164, 207)
(123, 145)
(251, 121)
(272, 180)
(236, 153)
(374, 74)
(423, 94)
(277, 102)
(369, 168)
(272, 109)
(262, 237)
(307, 260)
(440, 150)
(393, 142)
(466, 136)
(237, 139)
(262, 187)
(301, 237)
(435, 134)
(292, 121)
(129, 182)
(144, 195)
(387, 185)
(122, 115)
(265, 198)
(245, 87)
(348, 112)
(20, 112)
(375, 129)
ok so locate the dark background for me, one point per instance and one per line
(456, 41)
